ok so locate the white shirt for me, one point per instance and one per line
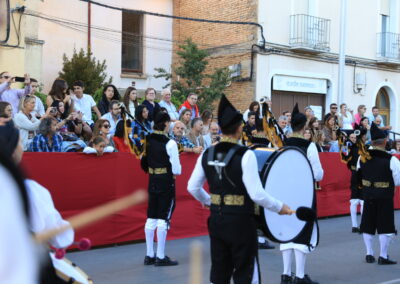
(347, 121)
(84, 105)
(313, 157)
(394, 167)
(44, 216)
(251, 180)
(91, 150)
(173, 153)
(132, 109)
(170, 107)
(27, 128)
(18, 260)
(113, 123)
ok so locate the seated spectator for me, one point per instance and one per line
(130, 100)
(185, 118)
(84, 104)
(140, 126)
(206, 117)
(309, 113)
(152, 106)
(361, 109)
(98, 146)
(250, 128)
(282, 122)
(254, 107)
(13, 96)
(396, 147)
(190, 104)
(39, 110)
(307, 134)
(110, 93)
(168, 105)
(379, 121)
(113, 116)
(184, 144)
(47, 139)
(120, 140)
(58, 92)
(195, 135)
(288, 129)
(70, 128)
(319, 138)
(26, 122)
(213, 135)
(346, 118)
(313, 125)
(333, 111)
(102, 128)
(365, 125)
(329, 129)
(5, 110)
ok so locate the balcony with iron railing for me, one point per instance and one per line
(309, 33)
(388, 48)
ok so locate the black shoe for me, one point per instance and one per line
(149, 260)
(383, 261)
(286, 279)
(355, 230)
(166, 261)
(265, 245)
(369, 258)
(305, 280)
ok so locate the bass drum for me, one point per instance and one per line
(286, 174)
(69, 272)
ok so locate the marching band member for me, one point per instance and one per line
(161, 161)
(379, 173)
(231, 172)
(307, 241)
(43, 215)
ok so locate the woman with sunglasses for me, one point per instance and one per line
(360, 114)
(26, 122)
(102, 128)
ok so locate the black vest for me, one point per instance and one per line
(157, 157)
(376, 176)
(228, 194)
(298, 142)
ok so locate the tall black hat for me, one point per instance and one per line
(9, 137)
(298, 118)
(376, 133)
(161, 117)
(227, 113)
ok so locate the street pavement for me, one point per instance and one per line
(339, 258)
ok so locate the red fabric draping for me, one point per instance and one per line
(78, 182)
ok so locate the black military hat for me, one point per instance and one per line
(298, 118)
(376, 133)
(227, 114)
(161, 117)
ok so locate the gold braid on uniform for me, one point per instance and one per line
(132, 147)
(269, 127)
(341, 139)
(363, 152)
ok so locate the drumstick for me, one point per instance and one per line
(93, 215)
(196, 263)
(305, 214)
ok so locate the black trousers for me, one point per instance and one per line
(161, 201)
(234, 248)
(378, 216)
(356, 193)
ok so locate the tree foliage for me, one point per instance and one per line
(190, 76)
(84, 66)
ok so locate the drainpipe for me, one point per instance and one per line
(89, 44)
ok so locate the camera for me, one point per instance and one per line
(53, 110)
(19, 79)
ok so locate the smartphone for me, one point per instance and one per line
(19, 79)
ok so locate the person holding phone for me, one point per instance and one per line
(13, 96)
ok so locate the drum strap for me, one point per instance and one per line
(217, 163)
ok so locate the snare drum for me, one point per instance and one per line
(286, 174)
(69, 272)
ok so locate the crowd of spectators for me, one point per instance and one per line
(71, 121)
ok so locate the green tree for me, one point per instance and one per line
(190, 76)
(84, 66)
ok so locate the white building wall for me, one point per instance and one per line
(59, 39)
(363, 24)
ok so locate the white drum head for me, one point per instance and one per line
(289, 179)
(65, 270)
